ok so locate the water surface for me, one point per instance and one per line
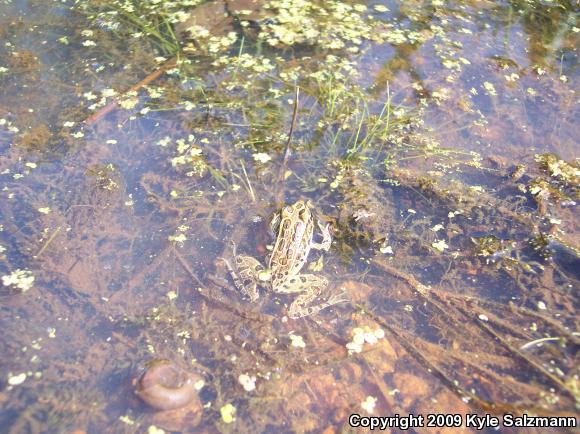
(138, 140)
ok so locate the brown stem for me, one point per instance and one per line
(95, 117)
(284, 165)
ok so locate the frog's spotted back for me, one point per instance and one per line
(294, 230)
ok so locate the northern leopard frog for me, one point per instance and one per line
(294, 229)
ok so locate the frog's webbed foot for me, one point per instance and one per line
(326, 238)
(300, 310)
(311, 287)
(339, 297)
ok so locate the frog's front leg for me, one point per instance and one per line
(326, 238)
(246, 275)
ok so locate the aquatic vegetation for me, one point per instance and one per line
(360, 336)
(228, 412)
(21, 279)
(247, 382)
(565, 173)
(331, 25)
(138, 139)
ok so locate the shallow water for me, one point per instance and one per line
(438, 140)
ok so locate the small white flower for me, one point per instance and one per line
(198, 385)
(540, 70)
(261, 157)
(353, 348)
(228, 413)
(490, 88)
(129, 103)
(154, 430)
(16, 380)
(127, 420)
(89, 96)
(247, 382)
(386, 250)
(358, 339)
(164, 141)
(21, 279)
(379, 333)
(440, 245)
(369, 404)
(178, 238)
(108, 92)
(370, 338)
(297, 341)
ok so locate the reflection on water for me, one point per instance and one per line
(140, 140)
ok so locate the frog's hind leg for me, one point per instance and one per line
(311, 287)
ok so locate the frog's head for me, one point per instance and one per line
(300, 208)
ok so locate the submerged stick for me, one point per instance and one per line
(427, 293)
(95, 117)
(406, 341)
(282, 171)
(48, 242)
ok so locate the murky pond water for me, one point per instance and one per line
(145, 147)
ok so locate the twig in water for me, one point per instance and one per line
(50, 240)
(284, 165)
(95, 117)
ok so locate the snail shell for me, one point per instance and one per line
(164, 386)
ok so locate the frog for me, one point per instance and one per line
(294, 228)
